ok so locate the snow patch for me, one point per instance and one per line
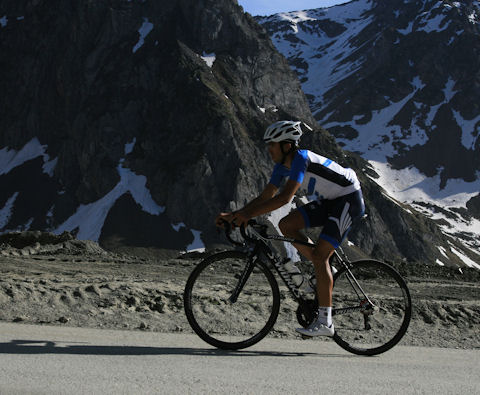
(209, 58)
(407, 30)
(177, 227)
(49, 167)
(27, 225)
(144, 30)
(376, 139)
(443, 251)
(470, 129)
(466, 260)
(449, 91)
(412, 187)
(129, 146)
(6, 211)
(472, 18)
(427, 22)
(439, 262)
(10, 159)
(294, 18)
(89, 218)
(435, 24)
(50, 212)
(197, 244)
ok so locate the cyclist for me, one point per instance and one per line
(335, 201)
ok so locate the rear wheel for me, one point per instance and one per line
(213, 315)
(371, 307)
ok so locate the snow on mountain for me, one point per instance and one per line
(398, 83)
(6, 211)
(209, 59)
(144, 30)
(9, 158)
(89, 219)
(312, 52)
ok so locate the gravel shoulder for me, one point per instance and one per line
(78, 284)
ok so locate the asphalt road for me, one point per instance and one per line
(48, 359)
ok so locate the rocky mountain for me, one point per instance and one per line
(146, 110)
(134, 122)
(398, 82)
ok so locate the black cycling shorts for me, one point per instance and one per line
(336, 216)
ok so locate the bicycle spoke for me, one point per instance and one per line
(374, 322)
(219, 315)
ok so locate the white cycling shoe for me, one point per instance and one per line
(317, 329)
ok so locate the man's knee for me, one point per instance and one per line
(284, 226)
(287, 226)
(322, 251)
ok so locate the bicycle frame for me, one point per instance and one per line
(261, 246)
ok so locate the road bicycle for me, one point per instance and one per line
(232, 298)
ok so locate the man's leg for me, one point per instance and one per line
(290, 226)
(320, 257)
(323, 324)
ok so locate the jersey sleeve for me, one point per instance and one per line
(277, 176)
(299, 166)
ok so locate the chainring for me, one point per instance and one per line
(307, 312)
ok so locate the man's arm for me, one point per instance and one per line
(267, 205)
(269, 192)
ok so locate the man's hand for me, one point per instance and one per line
(237, 218)
(240, 218)
(222, 218)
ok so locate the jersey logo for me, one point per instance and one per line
(345, 220)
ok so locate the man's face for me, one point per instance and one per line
(275, 151)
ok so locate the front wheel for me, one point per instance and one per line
(372, 307)
(224, 321)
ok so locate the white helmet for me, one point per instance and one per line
(283, 131)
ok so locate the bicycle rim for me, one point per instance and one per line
(366, 328)
(210, 311)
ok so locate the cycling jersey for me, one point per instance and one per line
(320, 177)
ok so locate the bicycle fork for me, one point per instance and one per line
(246, 272)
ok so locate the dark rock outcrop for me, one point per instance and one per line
(76, 78)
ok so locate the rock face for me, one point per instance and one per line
(398, 83)
(135, 122)
(112, 96)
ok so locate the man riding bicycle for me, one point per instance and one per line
(335, 201)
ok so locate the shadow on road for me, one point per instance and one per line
(49, 347)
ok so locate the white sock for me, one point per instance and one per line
(325, 316)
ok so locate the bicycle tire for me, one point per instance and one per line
(226, 325)
(374, 330)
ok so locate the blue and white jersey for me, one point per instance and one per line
(320, 177)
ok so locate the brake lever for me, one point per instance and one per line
(244, 233)
(228, 230)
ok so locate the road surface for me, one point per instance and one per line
(54, 359)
